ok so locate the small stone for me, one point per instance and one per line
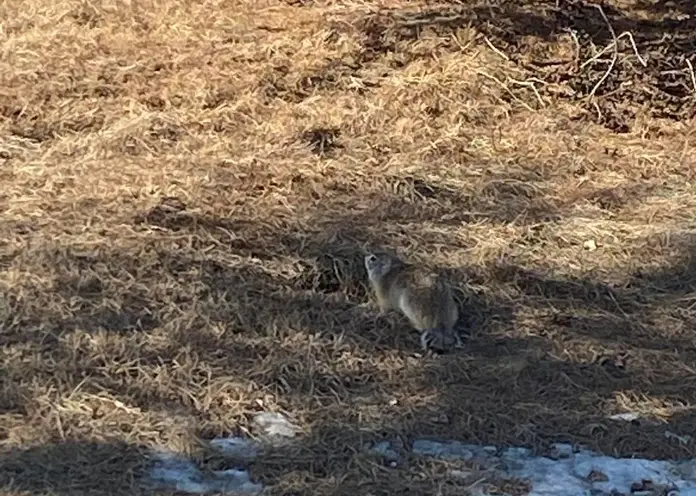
(590, 245)
(560, 451)
(597, 476)
(644, 486)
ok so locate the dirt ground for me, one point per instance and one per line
(188, 189)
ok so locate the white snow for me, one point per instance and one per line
(181, 474)
(568, 474)
(274, 425)
(566, 471)
(628, 416)
(236, 447)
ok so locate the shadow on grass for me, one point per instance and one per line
(71, 468)
(269, 312)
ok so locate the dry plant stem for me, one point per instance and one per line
(577, 43)
(529, 84)
(691, 73)
(613, 59)
(496, 50)
(462, 48)
(506, 88)
(625, 34)
(635, 48)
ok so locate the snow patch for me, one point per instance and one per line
(171, 471)
(274, 427)
(452, 450)
(236, 447)
(178, 473)
(571, 473)
(565, 471)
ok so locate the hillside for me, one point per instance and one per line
(189, 188)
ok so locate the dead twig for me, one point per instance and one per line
(691, 72)
(530, 84)
(599, 112)
(492, 47)
(614, 58)
(577, 43)
(459, 44)
(628, 35)
(615, 45)
(506, 88)
(625, 34)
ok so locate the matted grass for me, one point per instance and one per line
(188, 189)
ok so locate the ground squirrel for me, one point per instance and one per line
(422, 297)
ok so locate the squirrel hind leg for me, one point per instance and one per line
(426, 338)
(437, 340)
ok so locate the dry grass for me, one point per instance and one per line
(188, 188)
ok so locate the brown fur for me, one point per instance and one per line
(422, 297)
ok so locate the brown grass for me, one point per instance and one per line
(188, 188)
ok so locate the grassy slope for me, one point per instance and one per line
(188, 188)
